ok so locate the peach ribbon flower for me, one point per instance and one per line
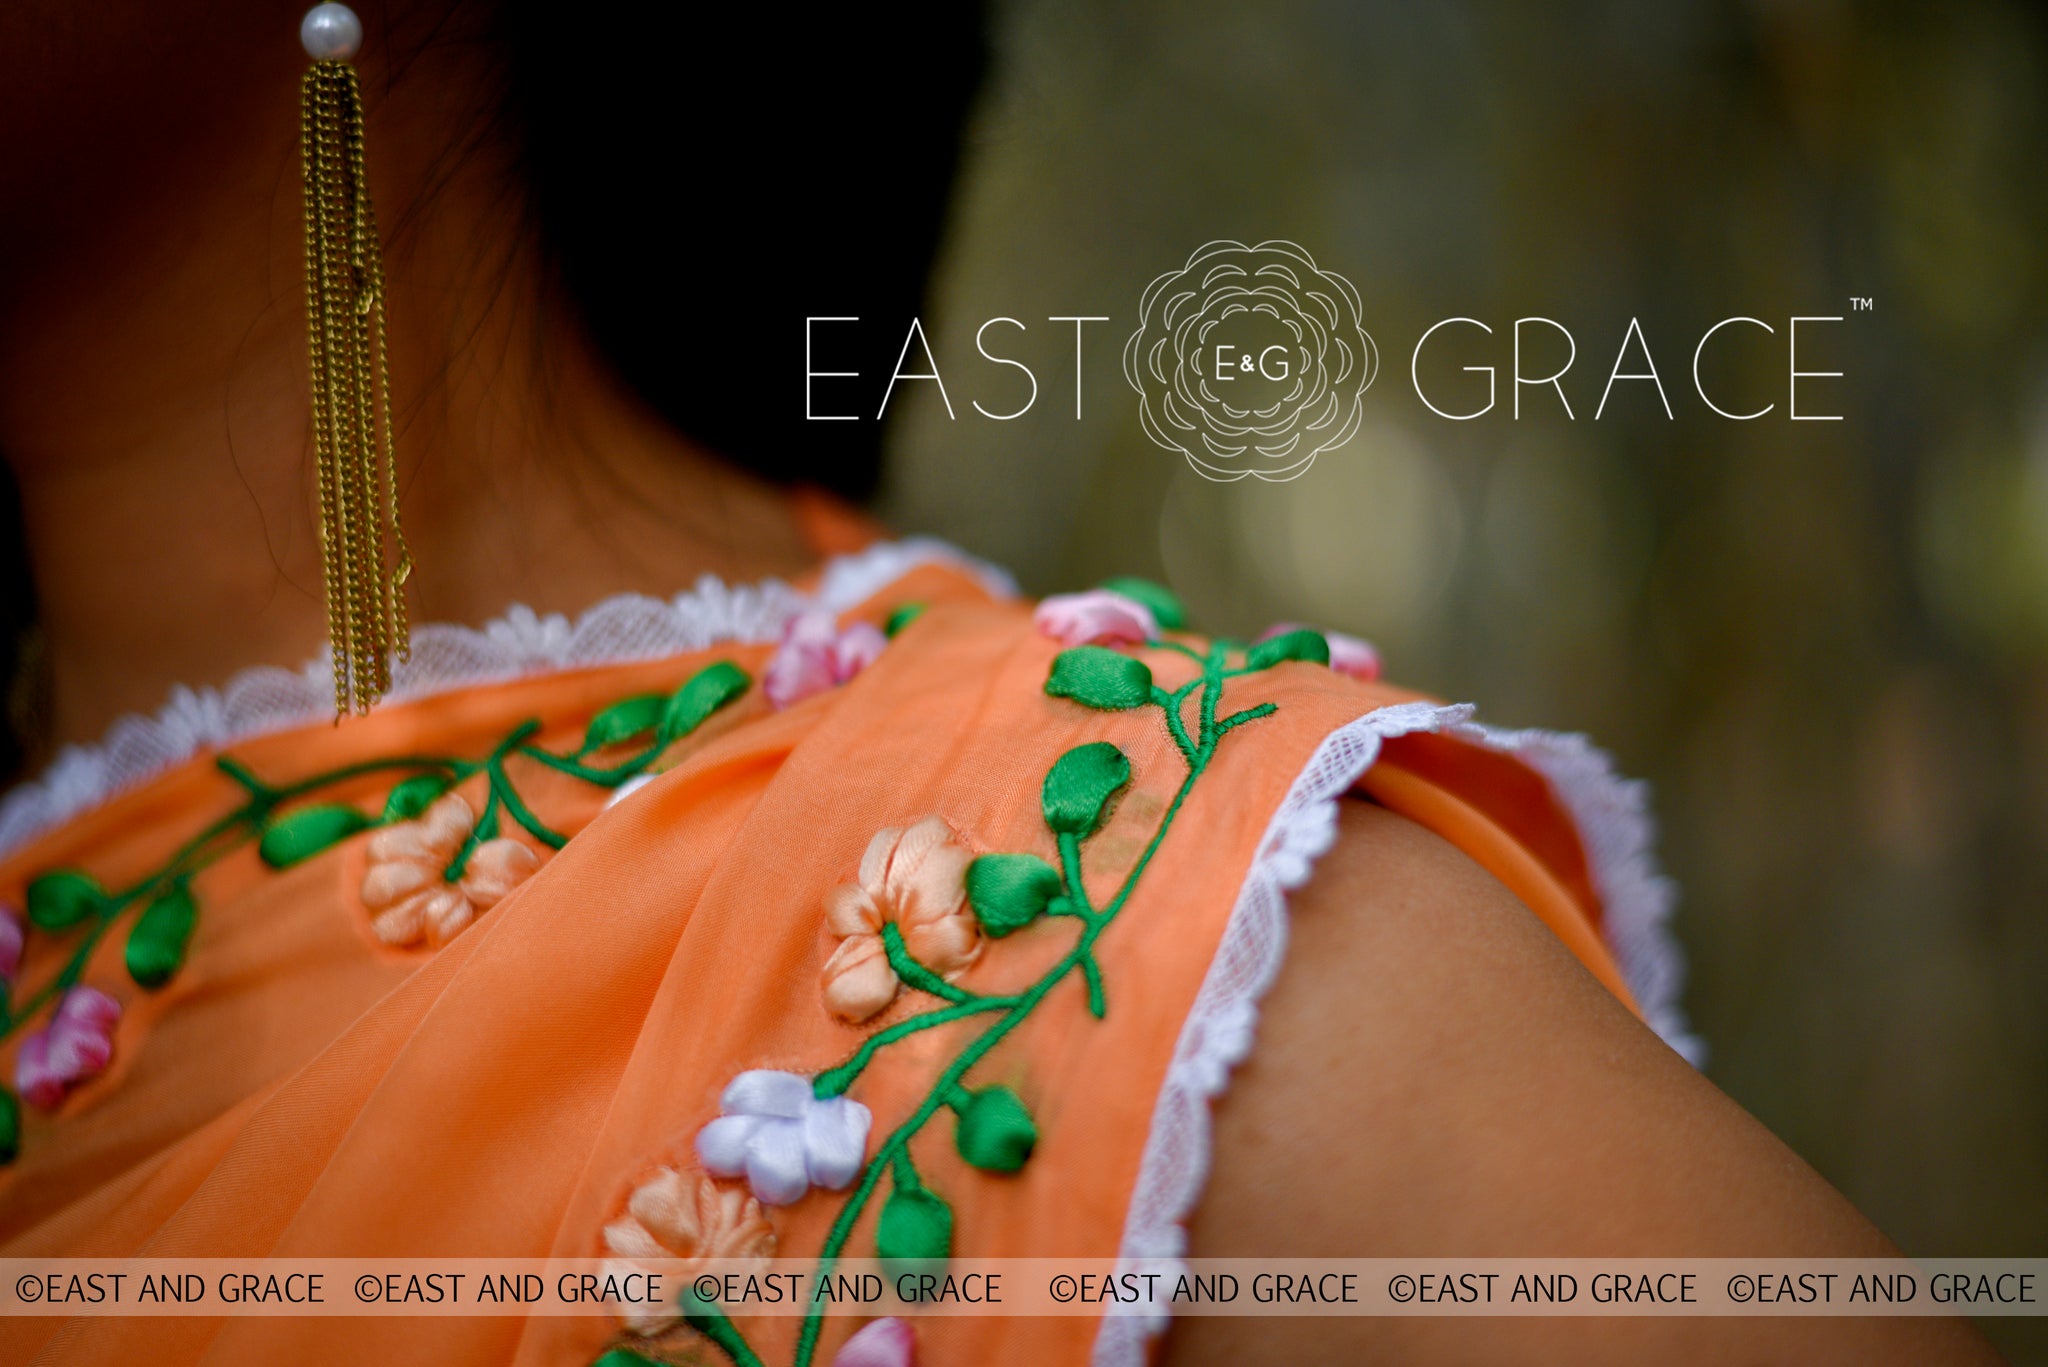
(406, 889)
(914, 878)
(693, 1220)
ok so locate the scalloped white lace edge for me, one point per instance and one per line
(522, 642)
(1616, 831)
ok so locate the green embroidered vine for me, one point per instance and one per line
(288, 829)
(993, 1129)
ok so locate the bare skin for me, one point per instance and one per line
(1455, 1083)
(1436, 1076)
(153, 401)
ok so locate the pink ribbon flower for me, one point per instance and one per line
(75, 1046)
(1096, 617)
(886, 1342)
(10, 944)
(1348, 654)
(817, 654)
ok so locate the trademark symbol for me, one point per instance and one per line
(1861, 303)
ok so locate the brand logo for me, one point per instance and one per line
(1250, 361)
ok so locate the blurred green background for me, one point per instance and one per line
(1825, 643)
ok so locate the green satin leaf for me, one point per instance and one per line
(624, 720)
(1010, 891)
(916, 1228)
(708, 690)
(1166, 607)
(156, 946)
(1080, 783)
(1304, 644)
(996, 1132)
(414, 796)
(299, 835)
(62, 898)
(902, 617)
(1098, 677)
(10, 1126)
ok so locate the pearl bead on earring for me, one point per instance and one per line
(330, 32)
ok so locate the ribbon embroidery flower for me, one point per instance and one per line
(915, 879)
(74, 1047)
(406, 889)
(696, 1221)
(817, 654)
(782, 1138)
(886, 1342)
(1097, 617)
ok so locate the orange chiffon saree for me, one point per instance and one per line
(692, 931)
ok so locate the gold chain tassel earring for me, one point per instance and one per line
(365, 568)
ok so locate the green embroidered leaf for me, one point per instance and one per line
(10, 1126)
(624, 720)
(306, 832)
(156, 946)
(1166, 607)
(63, 898)
(916, 1228)
(1080, 783)
(1010, 891)
(708, 690)
(1096, 676)
(1304, 644)
(996, 1132)
(414, 796)
(902, 617)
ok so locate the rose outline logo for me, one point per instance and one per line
(1179, 358)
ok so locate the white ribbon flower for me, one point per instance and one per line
(777, 1134)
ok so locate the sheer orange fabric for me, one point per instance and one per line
(301, 1088)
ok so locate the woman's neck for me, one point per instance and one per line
(153, 402)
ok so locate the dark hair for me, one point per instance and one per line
(701, 190)
(706, 187)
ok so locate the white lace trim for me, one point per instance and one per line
(1616, 831)
(628, 627)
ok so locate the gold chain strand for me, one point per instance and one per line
(352, 434)
(400, 623)
(374, 587)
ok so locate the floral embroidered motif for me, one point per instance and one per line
(912, 891)
(433, 865)
(818, 654)
(777, 1127)
(783, 1138)
(406, 888)
(75, 1046)
(694, 1220)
